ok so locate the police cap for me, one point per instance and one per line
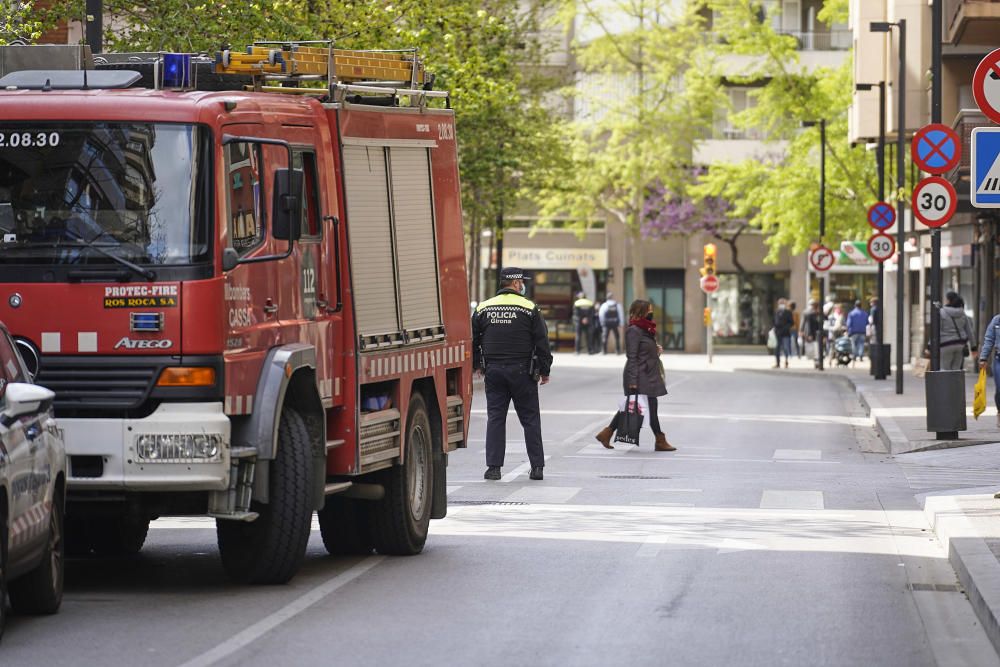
(513, 273)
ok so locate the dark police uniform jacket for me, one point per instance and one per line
(510, 328)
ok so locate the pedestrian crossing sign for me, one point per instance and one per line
(984, 186)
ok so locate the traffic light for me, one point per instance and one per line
(708, 317)
(708, 267)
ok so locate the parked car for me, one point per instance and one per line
(32, 491)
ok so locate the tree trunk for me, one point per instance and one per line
(634, 228)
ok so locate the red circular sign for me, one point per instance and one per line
(710, 284)
(881, 216)
(936, 148)
(822, 258)
(934, 201)
(881, 247)
(986, 86)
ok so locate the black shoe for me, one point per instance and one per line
(492, 472)
(536, 473)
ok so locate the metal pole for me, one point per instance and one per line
(936, 233)
(901, 271)
(94, 25)
(822, 225)
(880, 157)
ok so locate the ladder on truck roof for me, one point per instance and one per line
(283, 66)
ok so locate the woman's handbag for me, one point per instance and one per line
(772, 340)
(630, 418)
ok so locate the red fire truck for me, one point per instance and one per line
(245, 281)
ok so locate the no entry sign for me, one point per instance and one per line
(936, 148)
(934, 201)
(881, 216)
(821, 258)
(881, 247)
(986, 86)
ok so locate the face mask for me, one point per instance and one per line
(649, 316)
(523, 290)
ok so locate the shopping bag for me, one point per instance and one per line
(772, 340)
(979, 395)
(631, 411)
(921, 366)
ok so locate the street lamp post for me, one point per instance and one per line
(886, 26)
(822, 222)
(880, 160)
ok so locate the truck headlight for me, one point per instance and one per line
(178, 447)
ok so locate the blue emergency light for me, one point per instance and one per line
(147, 321)
(177, 71)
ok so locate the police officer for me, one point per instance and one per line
(511, 345)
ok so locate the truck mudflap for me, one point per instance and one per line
(179, 447)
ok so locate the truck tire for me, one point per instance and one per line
(40, 591)
(401, 519)
(270, 549)
(343, 522)
(117, 536)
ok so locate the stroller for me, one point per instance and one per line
(842, 350)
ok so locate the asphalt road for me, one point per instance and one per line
(776, 534)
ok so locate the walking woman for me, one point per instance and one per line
(643, 371)
(956, 333)
(989, 342)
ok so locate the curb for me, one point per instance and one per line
(972, 560)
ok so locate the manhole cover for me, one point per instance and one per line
(633, 477)
(484, 502)
(941, 588)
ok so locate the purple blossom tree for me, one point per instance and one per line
(665, 213)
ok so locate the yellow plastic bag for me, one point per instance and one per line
(979, 395)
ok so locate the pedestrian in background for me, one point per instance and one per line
(834, 325)
(510, 346)
(990, 339)
(643, 372)
(783, 322)
(611, 316)
(857, 329)
(956, 333)
(796, 325)
(812, 329)
(583, 316)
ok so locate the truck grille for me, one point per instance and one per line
(97, 384)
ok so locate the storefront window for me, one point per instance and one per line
(744, 308)
(665, 288)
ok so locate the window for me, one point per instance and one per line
(246, 214)
(305, 161)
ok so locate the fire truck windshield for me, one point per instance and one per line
(96, 193)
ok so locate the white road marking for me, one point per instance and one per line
(452, 489)
(283, 615)
(820, 420)
(783, 499)
(798, 454)
(697, 456)
(668, 490)
(543, 494)
(655, 504)
(652, 546)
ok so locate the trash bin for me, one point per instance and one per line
(880, 355)
(945, 395)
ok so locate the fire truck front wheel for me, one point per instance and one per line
(270, 549)
(401, 519)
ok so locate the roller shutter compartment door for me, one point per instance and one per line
(413, 214)
(370, 231)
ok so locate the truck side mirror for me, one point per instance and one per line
(287, 210)
(230, 259)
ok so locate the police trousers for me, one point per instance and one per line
(507, 381)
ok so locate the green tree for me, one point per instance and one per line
(642, 108)
(20, 20)
(780, 194)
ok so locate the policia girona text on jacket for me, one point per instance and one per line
(511, 345)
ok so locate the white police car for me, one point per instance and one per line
(32, 491)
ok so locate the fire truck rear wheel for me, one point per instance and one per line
(343, 522)
(118, 536)
(402, 517)
(270, 549)
(41, 590)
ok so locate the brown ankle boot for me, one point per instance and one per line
(604, 437)
(662, 445)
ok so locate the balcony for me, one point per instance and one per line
(972, 22)
(824, 40)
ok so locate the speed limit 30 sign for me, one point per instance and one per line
(934, 201)
(881, 247)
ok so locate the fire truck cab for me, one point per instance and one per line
(251, 300)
